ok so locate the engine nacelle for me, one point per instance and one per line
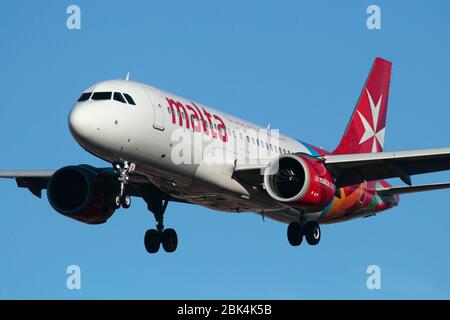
(301, 181)
(81, 193)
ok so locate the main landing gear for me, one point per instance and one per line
(123, 170)
(154, 238)
(296, 231)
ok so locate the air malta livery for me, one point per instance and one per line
(165, 148)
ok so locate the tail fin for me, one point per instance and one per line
(366, 129)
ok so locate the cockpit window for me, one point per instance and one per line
(102, 96)
(118, 97)
(129, 99)
(85, 96)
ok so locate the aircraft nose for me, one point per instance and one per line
(80, 122)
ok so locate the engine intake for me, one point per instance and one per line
(299, 180)
(81, 193)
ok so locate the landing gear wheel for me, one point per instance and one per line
(169, 240)
(294, 234)
(117, 202)
(126, 201)
(167, 237)
(312, 233)
(152, 241)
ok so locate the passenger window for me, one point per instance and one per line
(102, 96)
(118, 97)
(85, 96)
(129, 99)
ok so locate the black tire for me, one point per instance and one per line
(117, 202)
(125, 201)
(169, 240)
(294, 234)
(152, 241)
(312, 233)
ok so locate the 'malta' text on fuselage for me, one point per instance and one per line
(198, 120)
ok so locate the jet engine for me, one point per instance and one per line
(301, 181)
(82, 193)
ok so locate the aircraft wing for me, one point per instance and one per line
(34, 180)
(37, 180)
(411, 189)
(351, 169)
(26, 173)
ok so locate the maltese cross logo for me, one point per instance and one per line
(370, 132)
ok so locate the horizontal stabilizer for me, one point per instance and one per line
(408, 189)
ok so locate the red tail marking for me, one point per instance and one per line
(366, 129)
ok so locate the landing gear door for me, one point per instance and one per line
(158, 111)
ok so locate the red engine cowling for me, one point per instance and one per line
(81, 193)
(301, 181)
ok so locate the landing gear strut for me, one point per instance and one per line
(296, 231)
(123, 171)
(154, 238)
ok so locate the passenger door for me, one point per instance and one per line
(158, 111)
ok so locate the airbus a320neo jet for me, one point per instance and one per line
(165, 148)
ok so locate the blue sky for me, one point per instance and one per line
(297, 65)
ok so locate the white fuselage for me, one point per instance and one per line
(183, 147)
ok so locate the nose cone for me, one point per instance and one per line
(81, 122)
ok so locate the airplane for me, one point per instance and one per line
(164, 148)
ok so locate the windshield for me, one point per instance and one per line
(85, 96)
(101, 96)
(107, 95)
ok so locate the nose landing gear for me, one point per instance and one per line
(123, 171)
